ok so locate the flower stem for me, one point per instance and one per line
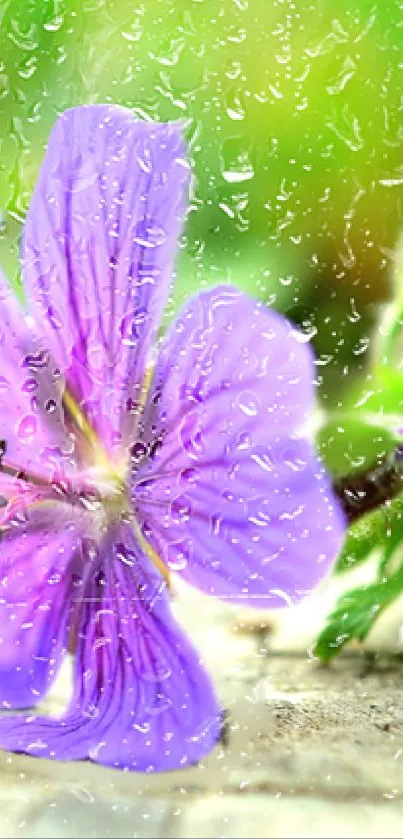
(365, 491)
(14, 471)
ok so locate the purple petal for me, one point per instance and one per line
(36, 557)
(31, 414)
(99, 244)
(233, 497)
(142, 700)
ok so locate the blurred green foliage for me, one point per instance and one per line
(349, 445)
(293, 117)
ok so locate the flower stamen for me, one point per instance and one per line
(80, 420)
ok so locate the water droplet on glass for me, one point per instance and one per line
(178, 555)
(99, 578)
(55, 578)
(244, 441)
(125, 554)
(130, 326)
(96, 358)
(236, 164)
(158, 702)
(29, 385)
(50, 406)
(37, 361)
(190, 475)
(180, 510)
(138, 451)
(248, 403)
(54, 317)
(26, 428)
(149, 234)
(191, 435)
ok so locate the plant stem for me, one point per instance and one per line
(365, 491)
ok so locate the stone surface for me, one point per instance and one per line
(281, 816)
(79, 814)
(312, 751)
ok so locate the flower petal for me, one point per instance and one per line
(142, 700)
(31, 414)
(233, 497)
(36, 557)
(99, 243)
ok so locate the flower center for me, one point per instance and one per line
(100, 490)
(110, 481)
(104, 494)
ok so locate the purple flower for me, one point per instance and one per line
(109, 482)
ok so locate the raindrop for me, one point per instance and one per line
(54, 578)
(263, 460)
(4, 86)
(303, 337)
(149, 234)
(189, 475)
(260, 519)
(235, 108)
(361, 346)
(157, 703)
(29, 385)
(125, 554)
(99, 578)
(355, 316)
(138, 451)
(54, 24)
(96, 358)
(346, 73)
(50, 406)
(244, 441)
(83, 795)
(36, 361)
(215, 523)
(132, 406)
(3, 449)
(133, 32)
(178, 555)
(54, 318)
(236, 164)
(180, 510)
(155, 448)
(248, 403)
(191, 435)
(129, 326)
(27, 427)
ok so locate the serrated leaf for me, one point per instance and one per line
(381, 529)
(362, 539)
(355, 614)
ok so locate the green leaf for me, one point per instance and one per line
(356, 613)
(380, 395)
(362, 538)
(381, 528)
(348, 445)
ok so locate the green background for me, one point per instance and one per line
(293, 115)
